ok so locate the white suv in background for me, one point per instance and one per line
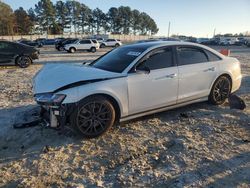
(111, 43)
(84, 44)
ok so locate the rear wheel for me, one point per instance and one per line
(23, 61)
(94, 116)
(117, 45)
(93, 49)
(220, 90)
(102, 46)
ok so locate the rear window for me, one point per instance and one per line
(212, 56)
(118, 59)
(85, 42)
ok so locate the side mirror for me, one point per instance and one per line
(142, 70)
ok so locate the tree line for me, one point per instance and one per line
(73, 16)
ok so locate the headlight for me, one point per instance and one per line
(50, 98)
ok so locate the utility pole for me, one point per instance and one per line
(214, 31)
(169, 28)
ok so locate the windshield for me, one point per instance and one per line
(118, 59)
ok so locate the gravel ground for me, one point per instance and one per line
(199, 145)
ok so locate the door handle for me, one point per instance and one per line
(166, 77)
(171, 76)
(209, 69)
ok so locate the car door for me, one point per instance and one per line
(7, 52)
(84, 45)
(157, 88)
(110, 42)
(196, 73)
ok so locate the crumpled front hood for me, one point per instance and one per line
(54, 76)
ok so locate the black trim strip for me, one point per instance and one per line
(84, 82)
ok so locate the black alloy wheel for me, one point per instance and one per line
(23, 61)
(220, 90)
(95, 116)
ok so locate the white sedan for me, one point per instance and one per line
(133, 81)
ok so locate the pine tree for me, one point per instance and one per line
(45, 12)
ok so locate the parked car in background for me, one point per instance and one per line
(226, 42)
(248, 43)
(60, 45)
(49, 42)
(30, 43)
(132, 81)
(40, 40)
(202, 40)
(17, 53)
(59, 39)
(212, 41)
(81, 45)
(240, 41)
(111, 43)
(100, 40)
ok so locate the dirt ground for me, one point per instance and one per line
(199, 145)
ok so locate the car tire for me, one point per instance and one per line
(93, 49)
(72, 50)
(220, 90)
(23, 61)
(102, 46)
(93, 116)
(117, 45)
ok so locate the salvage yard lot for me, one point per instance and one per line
(197, 145)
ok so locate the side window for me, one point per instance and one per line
(189, 55)
(6, 46)
(159, 59)
(85, 42)
(212, 56)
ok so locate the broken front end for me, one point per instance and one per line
(52, 109)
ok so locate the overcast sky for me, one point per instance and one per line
(187, 17)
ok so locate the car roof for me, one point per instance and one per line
(152, 44)
(158, 44)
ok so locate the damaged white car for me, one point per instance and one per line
(133, 81)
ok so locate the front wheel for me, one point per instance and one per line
(117, 45)
(220, 90)
(23, 61)
(94, 116)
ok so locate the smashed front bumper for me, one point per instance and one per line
(55, 116)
